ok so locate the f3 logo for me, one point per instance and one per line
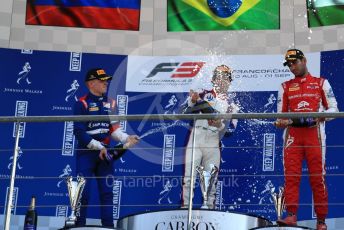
(179, 70)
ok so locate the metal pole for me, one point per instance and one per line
(137, 117)
(13, 174)
(192, 175)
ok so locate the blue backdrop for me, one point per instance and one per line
(149, 176)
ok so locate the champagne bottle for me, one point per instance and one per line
(31, 216)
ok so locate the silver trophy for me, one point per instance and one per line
(207, 181)
(279, 202)
(75, 189)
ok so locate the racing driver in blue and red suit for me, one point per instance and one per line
(94, 158)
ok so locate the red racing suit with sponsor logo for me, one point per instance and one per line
(305, 138)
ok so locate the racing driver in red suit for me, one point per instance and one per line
(304, 138)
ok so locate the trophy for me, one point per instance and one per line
(279, 202)
(75, 189)
(207, 181)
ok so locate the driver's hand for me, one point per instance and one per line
(103, 154)
(194, 96)
(215, 122)
(131, 141)
(282, 123)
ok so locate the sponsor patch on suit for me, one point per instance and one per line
(92, 109)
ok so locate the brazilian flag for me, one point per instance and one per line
(208, 15)
(325, 12)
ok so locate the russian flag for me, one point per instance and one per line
(101, 14)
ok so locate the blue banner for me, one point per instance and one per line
(148, 177)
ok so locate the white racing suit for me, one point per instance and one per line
(207, 142)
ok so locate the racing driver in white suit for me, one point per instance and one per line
(208, 132)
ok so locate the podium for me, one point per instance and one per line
(201, 219)
(275, 227)
(90, 227)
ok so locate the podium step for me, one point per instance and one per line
(90, 227)
(276, 227)
(201, 219)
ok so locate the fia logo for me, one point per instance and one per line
(65, 172)
(172, 103)
(268, 107)
(71, 92)
(24, 73)
(20, 154)
(302, 104)
(164, 194)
